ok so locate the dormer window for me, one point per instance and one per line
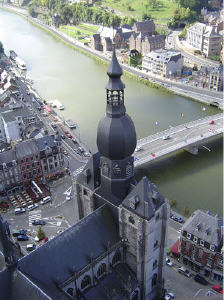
(134, 202)
(212, 247)
(188, 236)
(195, 239)
(202, 243)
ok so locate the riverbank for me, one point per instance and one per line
(203, 96)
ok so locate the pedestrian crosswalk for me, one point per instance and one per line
(34, 215)
(78, 171)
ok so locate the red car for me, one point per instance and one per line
(68, 135)
(218, 288)
(212, 122)
(44, 240)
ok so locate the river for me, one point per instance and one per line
(60, 72)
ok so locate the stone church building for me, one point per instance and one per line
(117, 250)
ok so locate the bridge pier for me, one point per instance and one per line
(192, 149)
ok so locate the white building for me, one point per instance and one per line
(163, 63)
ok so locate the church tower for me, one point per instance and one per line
(116, 140)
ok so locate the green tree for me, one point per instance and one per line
(40, 233)
(146, 16)
(173, 203)
(1, 48)
(31, 11)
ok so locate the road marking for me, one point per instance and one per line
(78, 171)
(55, 223)
(34, 215)
(68, 192)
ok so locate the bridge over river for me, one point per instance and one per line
(188, 136)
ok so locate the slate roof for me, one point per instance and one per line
(11, 115)
(26, 148)
(144, 26)
(46, 141)
(16, 286)
(164, 55)
(53, 262)
(7, 156)
(147, 198)
(206, 221)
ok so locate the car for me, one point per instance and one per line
(136, 158)
(217, 288)
(4, 204)
(177, 219)
(19, 232)
(32, 206)
(74, 141)
(82, 150)
(44, 240)
(22, 238)
(62, 136)
(68, 197)
(212, 122)
(169, 296)
(19, 210)
(45, 200)
(86, 154)
(200, 279)
(170, 264)
(184, 271)
(68, 135)
(30, 247)
(166, 137)
(53, 125)
(138, 148)
(65, 152)
(38, 222)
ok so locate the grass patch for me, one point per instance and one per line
(160, 14)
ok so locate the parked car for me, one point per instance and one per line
(166, 137)
(38, 222)
(30, 247)
(86, 154)
(19, 210)
(68, 135)
(22, 238)
(200, 279)
(68, 197)
(32, 206)
(138, 148)
(184, 271)
(45, 200)
(19, 232)
(169, 296)
(74, 141)
(44, 240)
(62, 136)
(177, 219)
(218, 288)
(82, 150)
(4, 204)
(212, 122)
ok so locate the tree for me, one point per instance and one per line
(31, 11)
(146, 17)
(173, 203)
(1, 48)
(40, 233)
(152, 3)
(186, 211)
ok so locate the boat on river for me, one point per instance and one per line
(70, 124)
(57, 104)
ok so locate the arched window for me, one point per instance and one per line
(70, 291)
(116, 258)
(102, 269)
(85, 282)
(154, 279)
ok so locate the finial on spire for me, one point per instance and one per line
(114, 72)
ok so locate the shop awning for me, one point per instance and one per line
(174, 248)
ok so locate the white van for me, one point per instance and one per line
(45, 200)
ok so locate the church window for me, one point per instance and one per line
(128, 170)
(102, 270)
(154, 279)
(85, 282)
(116, 170)
(156, 243)
(70, 291)
(131, 220)
(105, 169)
(154, 264)
(116, 258)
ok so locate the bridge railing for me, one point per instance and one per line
(177, 129)
(182, 144)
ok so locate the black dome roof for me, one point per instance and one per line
(116, 137)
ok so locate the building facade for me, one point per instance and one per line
(201, 244)
(145, 43)
(144, 27)
(163, 63)
(204, 38)
(216, 79)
